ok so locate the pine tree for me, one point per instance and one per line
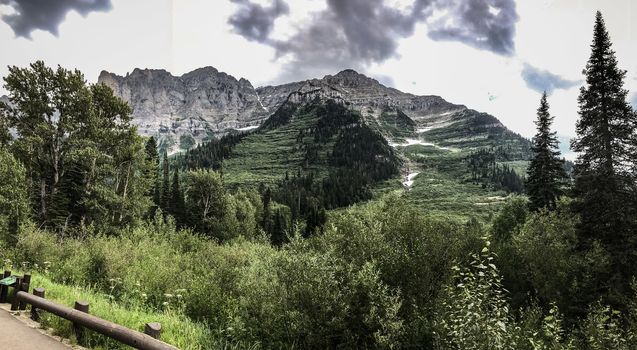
(153, 157)
(177, 205)
(165, 187)
(604, 188)
(546, 172)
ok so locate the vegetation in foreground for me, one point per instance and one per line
(88, 206)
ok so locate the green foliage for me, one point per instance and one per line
(5, 135)
(485, 170)
(206, 201)
(605, 188)
(382, 275)
(14, 200)
(509, 219)
(474, 312)
(412, 252)
(546, 262)
(177, 205)
(604, 329)
(152, 156)
(177, 329)
(84, 159)
(546, 172)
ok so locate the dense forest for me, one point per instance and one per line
(301, 263)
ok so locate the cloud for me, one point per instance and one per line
(633, 101)
(483, 24)
(255, 22)
(543, 80)
(357, 33)
(46, 15)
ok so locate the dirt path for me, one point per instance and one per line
(16, 333)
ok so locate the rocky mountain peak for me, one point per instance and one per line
(350, 78)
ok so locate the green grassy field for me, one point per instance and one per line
(443, 186)
(177, 329)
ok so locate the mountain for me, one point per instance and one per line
(206, 103)
(198, 104)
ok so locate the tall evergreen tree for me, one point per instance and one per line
(165, 187)
(604, 187)
(177, 206)
(546, 174)
(153, 157)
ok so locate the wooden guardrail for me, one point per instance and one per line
(80, 316)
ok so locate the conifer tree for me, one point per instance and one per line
(165, 188)
(177, 205)
(153, 157)
(604, 188)
(546, 174)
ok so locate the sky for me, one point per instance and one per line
(495, 56)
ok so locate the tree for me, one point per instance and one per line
(80, 152)
(5, 135)
(205, 200)
(14, 201)
(177, 205)
(165, 187)
(50, 106)
(604, 187)
(546, 173)
(153, 157)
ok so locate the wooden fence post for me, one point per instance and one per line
(26, 281)
(79, 331)
(4, 289)
(153, 329)
(35, 315)
(15, 303)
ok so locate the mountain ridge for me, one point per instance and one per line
(206, 103)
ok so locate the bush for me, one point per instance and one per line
(474, 314)
(546, 249)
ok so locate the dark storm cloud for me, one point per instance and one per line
(255, 22)
(483, 24)
(543, 80)
(357, 33)
(46, 14)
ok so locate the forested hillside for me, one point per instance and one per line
(338, 223)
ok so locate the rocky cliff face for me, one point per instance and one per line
(206, 102)
(198, 104)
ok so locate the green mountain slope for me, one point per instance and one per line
(322, 137)
(341, 138)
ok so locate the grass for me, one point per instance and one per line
(177, 329)
(443, 187)
(266, 156)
